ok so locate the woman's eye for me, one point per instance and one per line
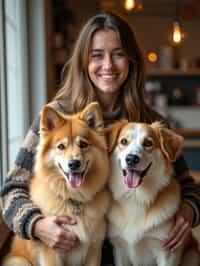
(61, 147)
(96, 56)
(119, 54)
(147, 143)
(83, 144)
(124, 141)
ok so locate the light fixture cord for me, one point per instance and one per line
(177, 10)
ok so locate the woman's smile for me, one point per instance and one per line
(108, 77)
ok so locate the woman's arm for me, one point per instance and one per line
(189, 212)
(18, 211)
(190, 190)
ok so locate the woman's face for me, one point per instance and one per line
(108, 65)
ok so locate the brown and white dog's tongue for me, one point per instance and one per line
(75, 179)
(132, 179)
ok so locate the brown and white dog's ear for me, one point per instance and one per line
(171, 143)
(93, 116)
(112, 133)
(49, 119)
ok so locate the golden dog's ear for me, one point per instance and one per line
(93, 116)
(49, 119)
(112, 133)
(171, 143)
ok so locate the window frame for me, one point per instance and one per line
(3, 96)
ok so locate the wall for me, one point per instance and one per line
(152, 32)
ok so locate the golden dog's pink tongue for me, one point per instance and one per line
(132, 179)
(75, 179)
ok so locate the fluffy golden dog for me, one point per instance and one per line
(70, 174)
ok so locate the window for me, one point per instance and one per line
(22, 66)
(16, 74)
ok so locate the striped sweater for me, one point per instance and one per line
(19, 212)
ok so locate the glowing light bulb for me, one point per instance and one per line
(177, 35)
(152, 57)
(129, 4)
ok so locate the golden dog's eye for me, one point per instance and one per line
(124, 141)
(61, 146)
(83, 144)
(147, 143)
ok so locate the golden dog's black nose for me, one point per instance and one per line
(132, 159)
(74, 164)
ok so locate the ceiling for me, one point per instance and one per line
(188, 9)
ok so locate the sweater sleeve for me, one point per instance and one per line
(190, 190)
(18, 211)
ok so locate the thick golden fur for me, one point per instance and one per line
(82, 136)
(146, 197)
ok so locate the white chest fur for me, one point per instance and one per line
(139, 219)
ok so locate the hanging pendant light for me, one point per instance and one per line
(177, 35)
(133, 5)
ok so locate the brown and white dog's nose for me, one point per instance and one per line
(132, 159)
(74, 164)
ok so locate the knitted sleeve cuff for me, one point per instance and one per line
(196, 216)
(29, 223)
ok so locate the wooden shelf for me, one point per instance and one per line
(192, 144)
(188, 132)
(173, 72)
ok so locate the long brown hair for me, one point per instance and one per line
(77, 84)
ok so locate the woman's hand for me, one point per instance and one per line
(50, 231)
(181, 230)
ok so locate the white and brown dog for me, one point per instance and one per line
(146, 197)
